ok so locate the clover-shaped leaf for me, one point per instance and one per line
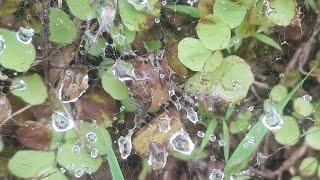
(230, 12)
(34, 91)
(214, 33)
(23, 165)
(308, 166)
(13, 53)
(81, 9)
(313, 136)
(289, 133)
(281, 12)
(196, 57)
(278, 93)
(62, 29)
(302, 107)
(232, 79)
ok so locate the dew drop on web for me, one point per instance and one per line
(181, 142)
(125, 145)
(192, 115)
(216, 174)
(158, 156)
(272, 119)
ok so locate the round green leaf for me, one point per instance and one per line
(232, 79)
(281, 12)
(213, 32)
(136, 20)
(62, 29)
(302, 107)
(296, 178)
(55, 174)
(35, 91)
(230, 12)
(313, 136)
(122, 36)
(129, 104)
(308, 166)
(15, 54)
(81, 9)
(241, 123)
(73, 161)
(116, 88)
(29, 163)
(196, 57)
(97, 48)
(103, 137)
(289, 133)
(278, 92)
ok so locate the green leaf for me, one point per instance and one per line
(129, 104)
(136, 20)
(289, 133)
(232, 79)
(230, 12)
(74, 161)
(302, 107)
(296, 178)
(191, 11)
(121, 35)
(55, 174)
(218, 31)
(196, 57)
(312, 137)
(35, 91)
(62, 29)
(241, 123)
(211, 127)
(267, 40)
(97, 48)
(116, 88)
(308, 166)
(278, 93)
(15, 54)
(241, 155)
(113, 163)
(29, 163)
(281, 12)
(81, 9)
(153, 45)
(316, 113)
(245, 30)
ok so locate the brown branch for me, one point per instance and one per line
(14, 114)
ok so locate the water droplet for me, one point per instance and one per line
(236, 85)
(94, 152)
(122, 108)
(200, 134)
(161, 76)
(78, 173)
(251, 139)
(88, 170)
(61, 121)
(71, 166)
(192, 115)
(281, 75)
(125, 146)
(21, 85)
(222, 142)
(212, 138)
(62, 170)
(272, 119)
(2, 44)
(181, 142)
(250, 108)
(25, 35)
(158, 157)
(216, 174)
(213, 158)
(91, 137)
(260, 158)
(123, 71)
(164, 2)
(76, 149)
(164, 123)
(157, 20)
(307, 98)
(191, 2)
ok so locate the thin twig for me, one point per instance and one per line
(14, 114)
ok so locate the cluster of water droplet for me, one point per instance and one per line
(216, 174)
(61, 121)
(250, 140)
(181, 142)
(25, 35)
(125, 145)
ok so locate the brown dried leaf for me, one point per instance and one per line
(5, 108)
(151, 133)
(34, 135)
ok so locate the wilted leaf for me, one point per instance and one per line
(34, 135)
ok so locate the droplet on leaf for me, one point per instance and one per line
(25, 35)
(61, 122)
(94, 152)
(200, 134)
(2, 44)
(181, 142)
(91, 137)
(125, 146)
(78, 173)
(192, 115)
(272, 119)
